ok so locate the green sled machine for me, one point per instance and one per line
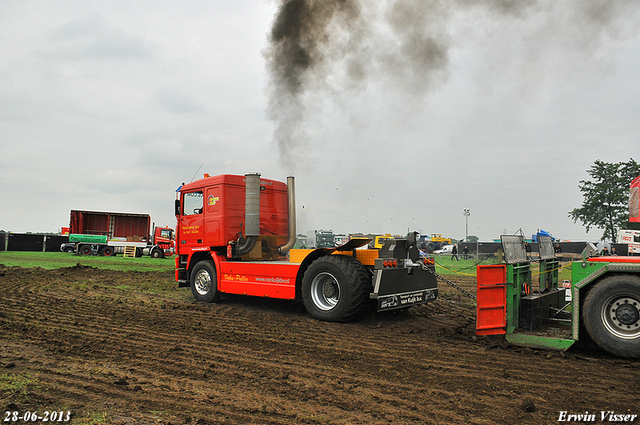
(601, 302)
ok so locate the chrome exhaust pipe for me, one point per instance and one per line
(251, 213)
(291, 203)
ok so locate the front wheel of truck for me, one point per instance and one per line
(335, 288)
(204, 283)
(611, 315)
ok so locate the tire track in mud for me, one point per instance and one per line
(109, 325)
(303, 379)
(265, 361)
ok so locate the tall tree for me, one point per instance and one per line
(606, 197)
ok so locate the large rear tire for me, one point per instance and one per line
(611, 315)
(84, 250)
(335, 288)
(204, 282)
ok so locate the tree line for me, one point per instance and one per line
(606, 198)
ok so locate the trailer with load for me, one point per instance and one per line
(235, 234)
(111, 233)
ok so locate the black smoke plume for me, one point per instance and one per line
(320, 48)
(299, 41)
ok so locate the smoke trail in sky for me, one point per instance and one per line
(321, 47)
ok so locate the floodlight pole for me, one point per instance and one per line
(466, 213)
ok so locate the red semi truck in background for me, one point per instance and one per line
(111, 233)
(234, 234)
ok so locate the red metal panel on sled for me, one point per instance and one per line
(491, 318)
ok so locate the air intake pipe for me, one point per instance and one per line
(291, 204)
(251, 214)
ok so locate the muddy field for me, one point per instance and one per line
(124, 348)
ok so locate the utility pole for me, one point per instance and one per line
(466, 213)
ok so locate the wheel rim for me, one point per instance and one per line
(202, 282)
(325, 291)
(621, 316)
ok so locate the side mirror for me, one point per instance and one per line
(177, 207)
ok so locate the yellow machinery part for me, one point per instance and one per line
(366, 256)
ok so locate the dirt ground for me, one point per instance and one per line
(125, 348)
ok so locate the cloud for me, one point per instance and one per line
(180, 103)
(93, 39)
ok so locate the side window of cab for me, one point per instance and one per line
(192, 203)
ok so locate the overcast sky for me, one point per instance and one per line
(417, 111)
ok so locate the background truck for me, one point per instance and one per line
(631, 238)
(110, 233)
(321, 239)
(377, 241)
(234, 234)
(433, 243)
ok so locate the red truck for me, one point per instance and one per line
(234, 235)
(110, 233)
